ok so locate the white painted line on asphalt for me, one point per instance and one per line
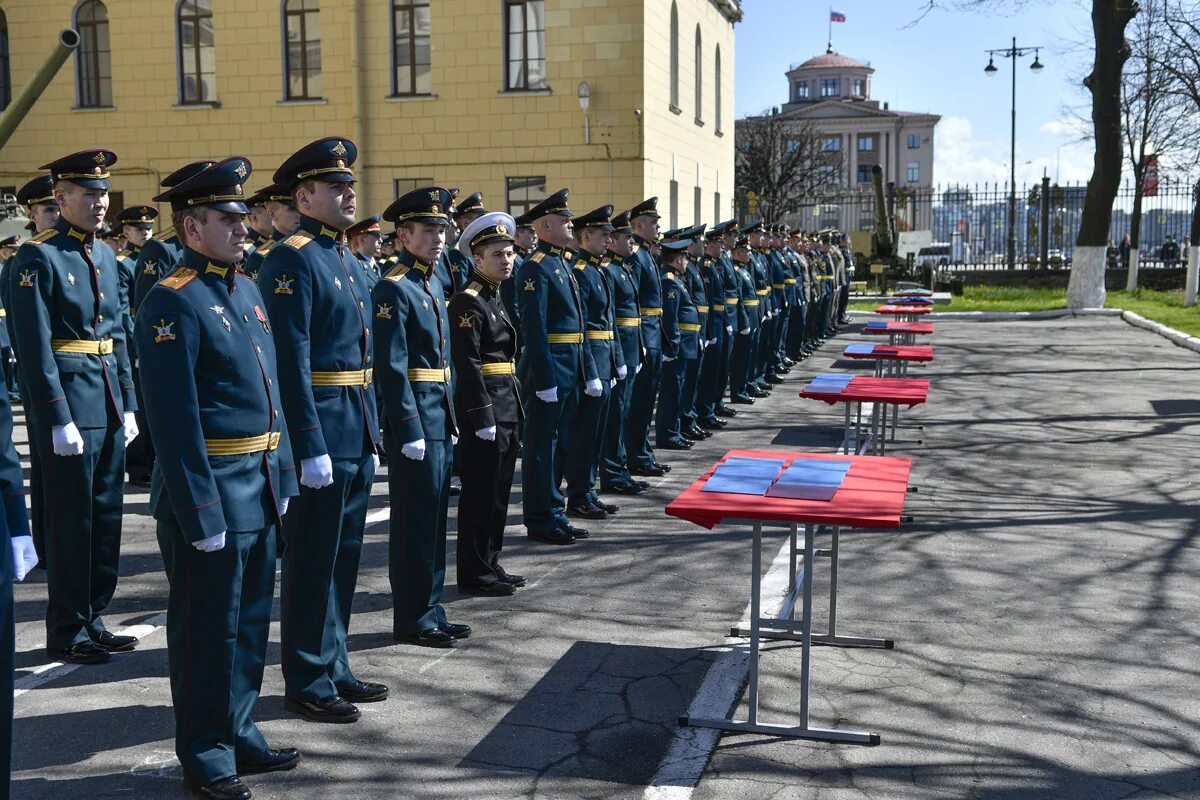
(379, 515)
(689, 751)
(44, 673)
(449, 652)
(542, 577)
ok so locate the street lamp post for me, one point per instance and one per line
(1013, 53)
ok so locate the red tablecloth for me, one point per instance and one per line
(871, 496)
(901, 327)
(897, 391)
(894, 352)
(901, 309)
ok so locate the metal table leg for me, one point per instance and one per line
(831, 637)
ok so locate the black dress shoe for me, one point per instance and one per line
(357, 691)
(775, 379)
(678, 444)
(269, 761)
(663, 467)
(573, 531)
(225, 789)
(455, 630)
(334, 710)
(580, 511)
(495, 589)
(643, 485)
(726, 411)
(758, 393)
(621, 487)
(512, 580)
(112, 643)
(696, 430)
(742, 400)
(428, 638)
(550, 537)
(80, 653)
(692, 436)
(713, 424)
(648, 472)
(607, 508)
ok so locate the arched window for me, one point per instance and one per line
(717, 89)
(5, 72)
(699, 78)
(674, 57)
(197, 52)
(93, 59)
(302, 50)
(411, 73)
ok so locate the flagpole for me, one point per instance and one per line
(830, 27)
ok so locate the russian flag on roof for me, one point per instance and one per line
(836, 16)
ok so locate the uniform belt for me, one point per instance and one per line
(3, 312)
(564, 338)
(717, 307)
(702, 309)
(762, 292)
(629, 322)
(777, 285)
(500, 368)
(650, 312)
(733, 301)
(430, 375)
(691, 327)
(599, 336)
(789, 281)
(90, 347)
(358, 377)
(750, 303)
(243, 446)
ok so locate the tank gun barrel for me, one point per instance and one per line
(68, 40)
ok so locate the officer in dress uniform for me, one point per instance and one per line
(644, 219)
(212, 400)
(137, 223)
(67, 318)
(680, 345)
(8, 249)
(794, 347)
(615, 475)
(162, 254)
(483, 345)
(592, 233)
(780, 271)
(258, 223)
(284, 220)
(320, 321)
(554, 367)
(364, 237)
(524, 240)
(412, 356)
(760, 271)
(720, 331)
(466, 211)
(732, 287)
(747, 324)
(693, 280)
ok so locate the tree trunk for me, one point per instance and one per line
(1135, 234)
(1193, 265)
(1109, 20)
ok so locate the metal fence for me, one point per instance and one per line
(968, 226)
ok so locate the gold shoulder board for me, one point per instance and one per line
(44, 236)
(473, 288)
(298, 240)
(179, 278)
(124, 253)
(164, 235)
(397, 274)
(537, 257)
(265, 247)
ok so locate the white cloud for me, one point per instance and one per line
(963, 159)
(1067, 128)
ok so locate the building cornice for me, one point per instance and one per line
(731, 10)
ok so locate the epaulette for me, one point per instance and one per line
(473, 288)
(670, 276)
(604, 262)
(248, 247)
(579, 265)
(298, 239)
(179, 278)
(124, 253)
(537, 257)
(266, 246)
(44, 236)
(397, 274)
(164, 235)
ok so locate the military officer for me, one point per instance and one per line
(258, 223)
(524, 240)
(162, 254)
(466, 211)
(284, 220)
(714, 368)
(593, 236)
(412, 356)
(747, 324)
(483, 345)
(319, 318)
(364, 237)
(554, 367)
(779, 303)
(137, 223)
(680, 345)
(212, 400)
(8, 249)
(697, 287)
(795, 345)
(732, 286)
(760, 271)
(67, 320)
(644, 218)
(843, 245)
(615, 475)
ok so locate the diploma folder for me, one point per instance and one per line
(810, 479)
(752, 476)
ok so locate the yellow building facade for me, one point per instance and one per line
(483, 95)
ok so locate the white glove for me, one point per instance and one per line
(212, 544)
(612, 384)
(414, 450)
(317, 473)
(729, 329)
(376, 457)
(453, 440)
(67, 440)
(24, 556)
(282, 505)
(667, 358)
(711, 342)
(131, 428)
(622, 372)
(637, 369)
(548, 395)
(593, 388)
(744, 331)
(488, 434)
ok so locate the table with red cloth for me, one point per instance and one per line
(902, 312)
(900, 332)
(871, 495)
(880, 393)
(890, 360)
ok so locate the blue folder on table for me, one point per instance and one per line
(860, 349)
(877, 323)
(810, 479)
(829, 383)
(913, 301)
(752, 476)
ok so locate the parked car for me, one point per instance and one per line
(936, 254)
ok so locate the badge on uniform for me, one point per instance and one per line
(70, 278)
(262, 317)
(164, 331)
(283, 284)
(338, 283)
(384, 311)
(529, 287)
(26, 280)
(151, 267)
(425, 304)
(558, 275)
(464, 321)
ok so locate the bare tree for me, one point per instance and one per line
(783, 162)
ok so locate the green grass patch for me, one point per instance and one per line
(1164, 307)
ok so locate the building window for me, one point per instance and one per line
(302, 55)
(830, 87)
(866, 144)
(197, 52)
(697, 198)
(411, 72)
(525, 38)
(864, 173)
(829, 175)
(524, 193)
(402, 186)
(914, 171)
(831, 144)
(914, 141)
(93, 59)
(717, 90)
(716, 206)
(674, 57)
(799, 91)
(5, 65)
(674, 212)
(791, 145)
(699, 79)
(860, 87)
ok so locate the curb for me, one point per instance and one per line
(1178, 338)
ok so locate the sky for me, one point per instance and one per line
(935, 64)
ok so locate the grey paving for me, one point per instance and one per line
(1043, 602)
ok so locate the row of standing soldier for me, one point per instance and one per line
(271, 369)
